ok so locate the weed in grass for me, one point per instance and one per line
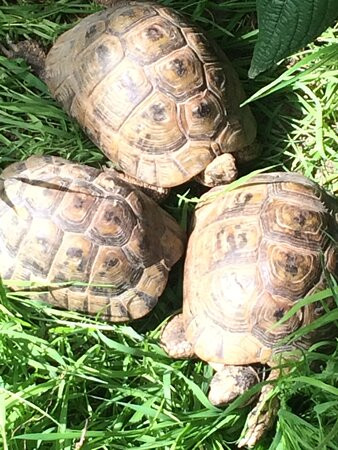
(67, 381)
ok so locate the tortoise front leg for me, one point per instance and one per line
(262, 417)
(30, 51)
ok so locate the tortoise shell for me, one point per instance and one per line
(255, 251)
(91, 241)
(151, 91)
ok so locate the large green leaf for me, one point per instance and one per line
(287, 25)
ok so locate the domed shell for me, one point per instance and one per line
(150, 91)
(93, 242)
(255, 251)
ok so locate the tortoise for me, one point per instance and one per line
(152, 92)
(254, 252)
(84, 239)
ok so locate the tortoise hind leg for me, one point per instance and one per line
(173, 339)
(230, 382)
(30, 51)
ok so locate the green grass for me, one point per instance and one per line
(70, 382)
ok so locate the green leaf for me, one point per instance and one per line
(323, 407)
(57, 436)
(317, 383)
(287, 25)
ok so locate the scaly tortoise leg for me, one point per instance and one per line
(30, 51)
(173, 339)
(262, 417)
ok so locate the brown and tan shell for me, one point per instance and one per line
(150, 91)
(253, 254)
(63, 222)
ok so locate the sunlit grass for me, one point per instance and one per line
(67, 381)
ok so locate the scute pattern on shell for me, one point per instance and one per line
(63, 222)
(254, 252)
(150, 91)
